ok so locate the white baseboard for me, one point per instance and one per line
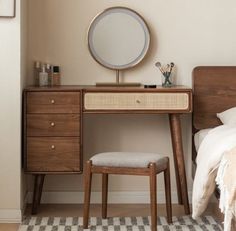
(13, 215)
(25, 202)
(124, 197)
(10, 215)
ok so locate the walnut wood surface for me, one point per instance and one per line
(49, 154)
(38, 188)
(120, 170)
(214, 91)
(53, 102)
(104, 195)
(153, 196)
(52, 134)
(177, 88)
(168, 193)
(52, 131)
(87, 193)
(77, 88)
(68, 101)
(53, 125)
(177, 145)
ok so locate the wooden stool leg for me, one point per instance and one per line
(87, 192)
(104, 195)
(168, 193)
(153, 196)
(38, 188)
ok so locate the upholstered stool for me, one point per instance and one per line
(126, 163)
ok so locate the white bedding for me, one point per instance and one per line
(225, 180)
(199, 137)
(210, 152)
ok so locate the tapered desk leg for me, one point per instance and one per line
(38, 188)
(176, 137)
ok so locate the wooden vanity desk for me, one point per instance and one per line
(53, 123)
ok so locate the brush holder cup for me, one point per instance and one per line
(167, 80)
(166, 71)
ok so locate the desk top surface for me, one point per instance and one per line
(108, 89)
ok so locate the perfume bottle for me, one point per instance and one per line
(43, 77)
(55, 76)
(49, 71)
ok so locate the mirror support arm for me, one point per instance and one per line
(117, 76)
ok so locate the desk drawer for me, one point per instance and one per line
(53, 154)
(136, 101)
(53, 102)
(53, 125)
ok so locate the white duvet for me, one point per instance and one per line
(211, 150)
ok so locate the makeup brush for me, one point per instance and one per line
(158, 65)
(167, 72)
(171, 66)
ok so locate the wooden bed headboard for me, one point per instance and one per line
(214, 90)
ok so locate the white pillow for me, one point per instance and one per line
(228, 117)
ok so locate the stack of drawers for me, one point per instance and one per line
(53, 131)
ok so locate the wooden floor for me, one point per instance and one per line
(113, 210)
(9, 227)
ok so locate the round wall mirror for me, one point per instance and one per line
(118, 38)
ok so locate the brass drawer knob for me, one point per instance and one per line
(52, 101)
(53, 147)
(138, 101)
(52, 124)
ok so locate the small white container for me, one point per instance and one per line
(43, 77)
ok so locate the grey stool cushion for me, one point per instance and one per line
(127, 159)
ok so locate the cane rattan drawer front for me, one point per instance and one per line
(53, 154)
(53, 125)
(53, 102)
(137, 101)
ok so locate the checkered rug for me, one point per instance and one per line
(185, 223)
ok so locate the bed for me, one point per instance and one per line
(214, 90)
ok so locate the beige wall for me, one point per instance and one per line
(10, 117)
(189, 33)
